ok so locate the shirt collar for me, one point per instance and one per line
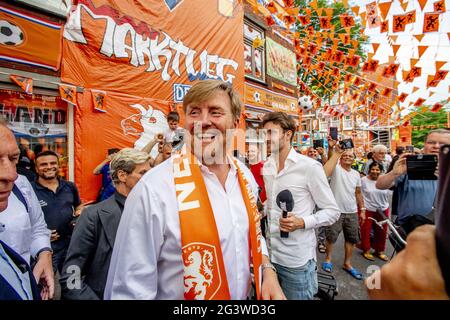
(41, 187)
(120, 198)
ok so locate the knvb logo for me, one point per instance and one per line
(172, 4)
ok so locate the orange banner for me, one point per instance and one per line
(129, 122)
(258, 97)
(28, 39)
(151, 49)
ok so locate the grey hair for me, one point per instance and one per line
(126, 160)
(379, 147)
(438, 131)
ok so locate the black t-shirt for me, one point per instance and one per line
(58, 208)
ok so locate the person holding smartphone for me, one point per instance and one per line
(415, 198)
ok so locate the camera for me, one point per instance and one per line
(421, 166)
(318, 143)
(177, 141)
(346, 144)
(409, 149)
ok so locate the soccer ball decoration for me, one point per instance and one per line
(10, 34)
(305, 103)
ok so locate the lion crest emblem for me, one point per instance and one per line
(200, 269)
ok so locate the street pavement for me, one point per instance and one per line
(350, 288)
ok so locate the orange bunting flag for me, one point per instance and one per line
(372, 87)
(304, 20)
(431, 22)
(422, 3)
(439, 6)
(99, 100)
(386, 92)
(399, 23)
(390, 70)
(357, 81)
(411, 16)
(422, 50)
(288, 3)
(68, 93)
(384, 27)
(439, 64)
(440, 75)
(402, 97)
(325, 23)
(352, 61)
(414, 61)
(372, 15)
(416, 72)
(335, 72)
(347, 21)
(419, 37)
(271, 7)
(355, 10)
(395, 48)
(407, 77)
(313, 49)
(25, 83)
(338, 56)
(384, 8)
(288, 20)
(419, 102)
(375, 47)
(437, 106)
(329, 12)
(269, 20)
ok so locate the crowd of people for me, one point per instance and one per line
(198, 223)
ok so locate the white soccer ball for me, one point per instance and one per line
(305, 103)
(10, 34)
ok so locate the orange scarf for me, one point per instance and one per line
(204, 270)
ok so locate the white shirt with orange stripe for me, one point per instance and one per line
(146, 262)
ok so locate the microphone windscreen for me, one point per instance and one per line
(285, 200)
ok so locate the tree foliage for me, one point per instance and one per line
(424, 120)
(312, 79)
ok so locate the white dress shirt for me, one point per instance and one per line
(305, 178)
(146, 262)
(25, 232)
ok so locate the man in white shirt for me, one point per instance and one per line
(346, 186)
(295, 257)
(22, 224)
(148, 260)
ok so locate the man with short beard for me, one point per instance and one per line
(60, 202)
(190, 227)
(295, 257)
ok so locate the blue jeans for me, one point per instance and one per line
(298, 283)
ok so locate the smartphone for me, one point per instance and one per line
(318, 143)
(347, 144)
(334, 133)
(409, 149)
(421, 166)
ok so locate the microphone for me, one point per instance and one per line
(285, 202)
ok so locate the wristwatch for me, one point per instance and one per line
(268, 265)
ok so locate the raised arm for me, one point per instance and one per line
(386, 181)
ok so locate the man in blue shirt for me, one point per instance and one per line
(103, 168)
(60, 202)
(415, 197)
